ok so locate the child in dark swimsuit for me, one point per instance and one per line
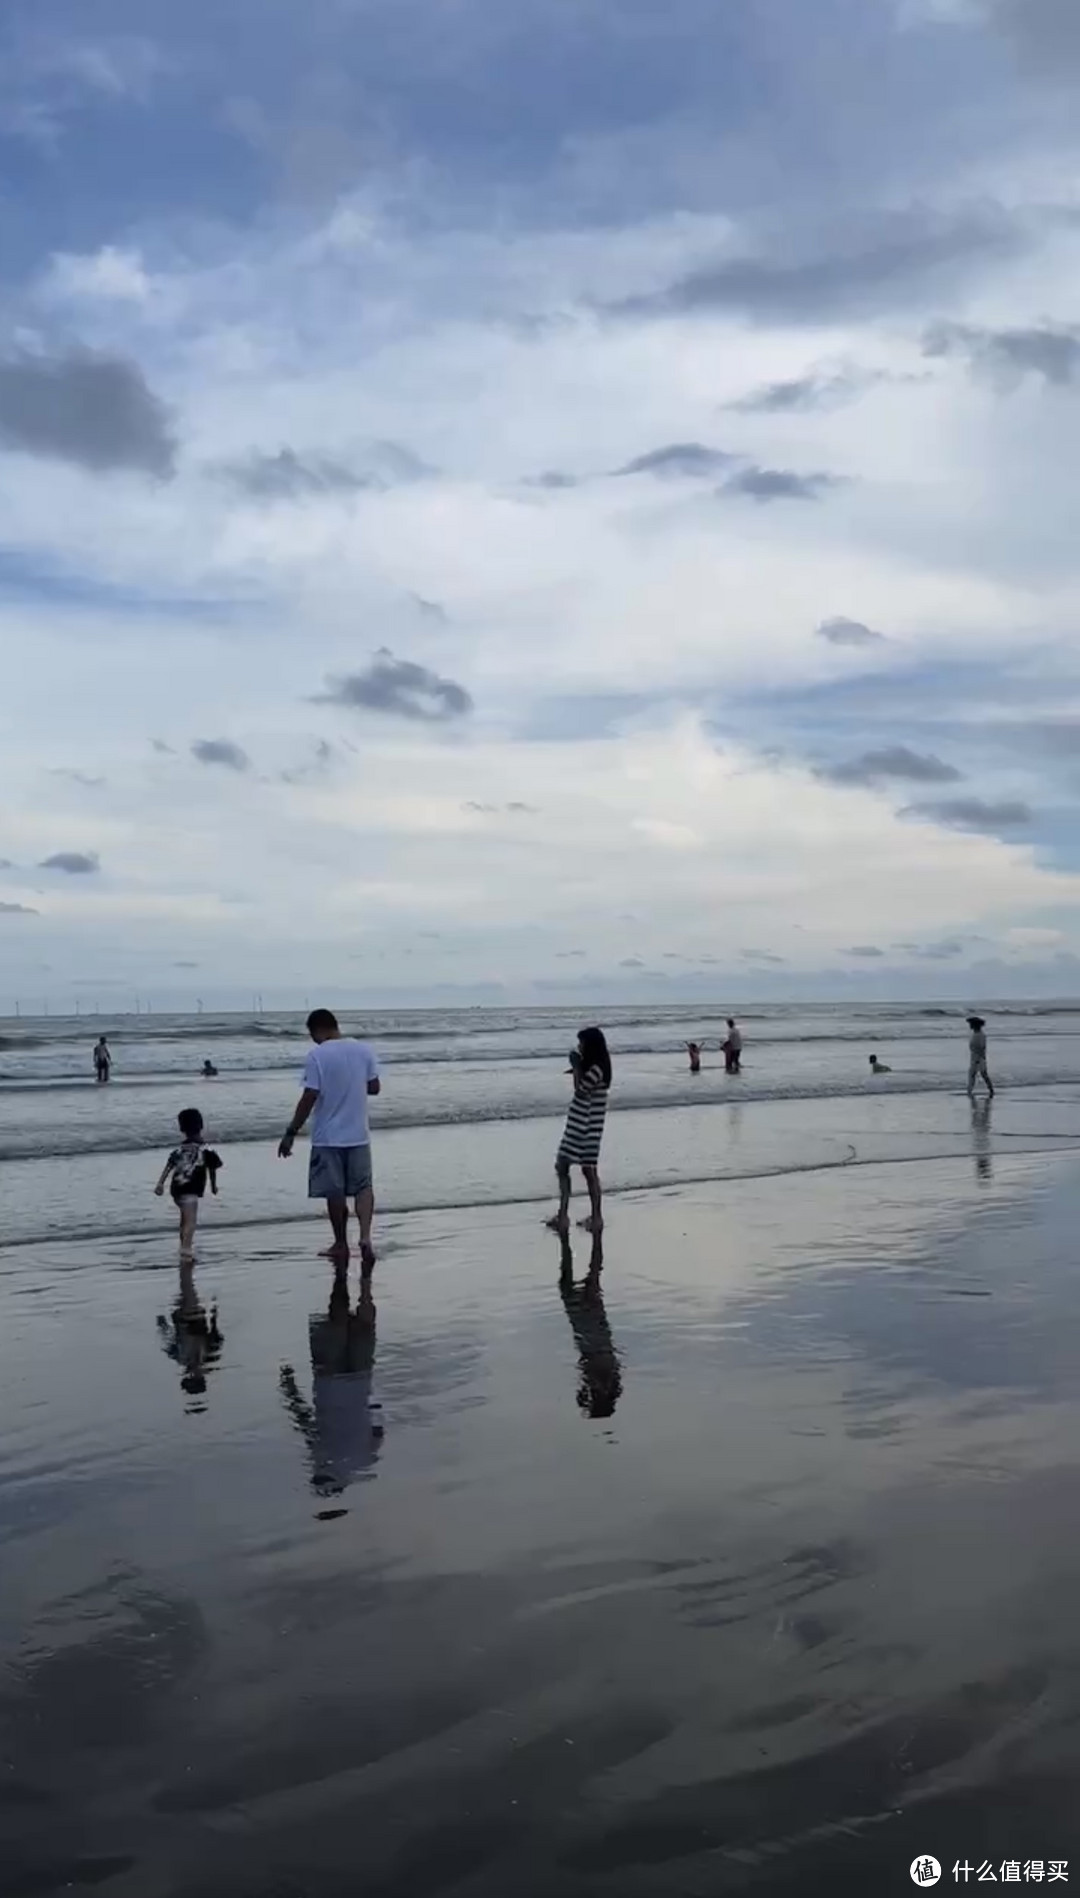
(191, 1165)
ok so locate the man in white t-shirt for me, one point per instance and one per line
(339, 1075)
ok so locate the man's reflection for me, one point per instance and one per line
(980, 1138)
(191, 1338)
(599, 1371)
(342, 1426)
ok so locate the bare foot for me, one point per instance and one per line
(367, 1257)
(558, 1224)
(591, 1225)
(339, 1254)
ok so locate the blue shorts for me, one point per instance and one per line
(338, 1172)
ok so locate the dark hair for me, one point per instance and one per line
(975, 1021)
(731, 1021)
(321, 1021)
(190, 1122)
(594, 1052)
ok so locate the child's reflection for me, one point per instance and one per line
(192, 1339)
(342, 1426)
(982, 1145)
(599, 1371)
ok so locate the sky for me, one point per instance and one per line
(569, 501)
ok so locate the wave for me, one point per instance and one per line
(40, 1144)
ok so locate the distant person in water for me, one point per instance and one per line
(732, 1049)
(590, 1065)
(209, 1070)
(977, 1068)
(693, 1048)
(339, 1076)
(188, 1169)
(878, 1067)
(102, 1059)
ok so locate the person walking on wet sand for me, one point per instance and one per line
(188, 1169)
(102, 1059)
(590, 1065)
(977, 1068)
(339, 1076)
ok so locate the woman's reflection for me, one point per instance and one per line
(599, 1370)
(342, 1426)
(191, 1338)
(980, 1138)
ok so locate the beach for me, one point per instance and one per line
(747, 1564)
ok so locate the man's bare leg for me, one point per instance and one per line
(561, 1221)
(595, 1221)
(365, 1213)
(338, 1214)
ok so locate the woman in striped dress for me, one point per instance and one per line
(590, 1065)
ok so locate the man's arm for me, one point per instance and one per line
(374, 1086)
(303, 1108)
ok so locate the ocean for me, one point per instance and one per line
(473, 1102)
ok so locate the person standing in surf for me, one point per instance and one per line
(590, 1065)
(339, 1076)
(977, 1068)
(102, 1059)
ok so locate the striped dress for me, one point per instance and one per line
(580, 1144)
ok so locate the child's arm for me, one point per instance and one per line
(213, 1162)
(165, 1171)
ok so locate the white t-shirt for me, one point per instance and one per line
(735, 1040)
(339, 1071)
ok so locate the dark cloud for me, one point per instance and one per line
(401, 688)
(317, 766)
(631, 962)
(1049, 350)
(16, 909)
(6, 863)
(569, 955)
(185, 965)
(778, 484)
(848, 632)
(974, 813)
(933, 951)
(487, 810)
(760, 955)
(430, 609)
(221, 751)
(289, 476)
(874, 269)
(94, 410)
(530, 810)
(553, 479)
(805, 395)
(692, 459)
(160, 745)
(74, 863)
(84, 778)
(866, 951)
(892, 761)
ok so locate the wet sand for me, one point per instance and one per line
(754, 1569)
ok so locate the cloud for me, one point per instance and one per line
(848, 632)
(288, 476)
(631, 962)
(680, 459)
(85, 778)
(760, 955)
(530, 810)
(974, 813)
(570, 955)
(1049, 350)
(185, 965)
(6, 863)
(892, 761)
(160, 745)
(108, 275)
(806, 395)
(553, 479)
(74, 863)
(945, 951)
(84, 407)
(430, 609)
(865, 951)
(401, 688)
(17, 909)
(221, 751)
(1047, 29)
(892, 255)
(778, 484)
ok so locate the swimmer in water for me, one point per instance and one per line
(878, 1067)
